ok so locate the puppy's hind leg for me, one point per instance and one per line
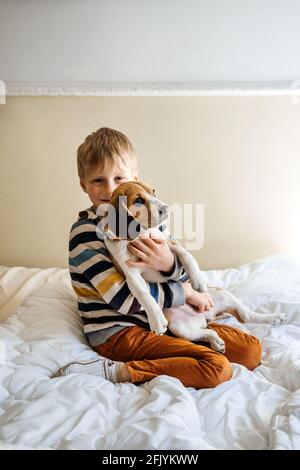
(212, 337)
(246, 315)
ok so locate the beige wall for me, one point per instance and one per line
(238, 155)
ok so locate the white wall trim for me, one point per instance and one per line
(154, 89)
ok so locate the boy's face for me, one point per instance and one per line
(100, 182)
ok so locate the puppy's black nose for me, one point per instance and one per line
(163, 210)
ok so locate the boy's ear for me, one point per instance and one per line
(83, 186)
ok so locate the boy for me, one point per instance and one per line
(114, 322)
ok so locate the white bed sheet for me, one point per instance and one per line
(41, 331)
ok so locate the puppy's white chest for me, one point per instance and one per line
(119, 253)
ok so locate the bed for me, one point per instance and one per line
(40, 331)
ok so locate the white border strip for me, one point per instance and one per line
(155, 89)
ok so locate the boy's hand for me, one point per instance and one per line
(153, 253)
(202, 302)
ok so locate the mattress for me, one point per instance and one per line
(40, 331)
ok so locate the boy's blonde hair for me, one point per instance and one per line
(104, 145)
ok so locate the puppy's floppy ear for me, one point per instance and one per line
(120, 224)
(126, 225)
(116, 199)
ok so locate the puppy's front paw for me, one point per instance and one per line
(197, 282)
(278, 318)
(159, 325)
(159, 329)
(217, 344)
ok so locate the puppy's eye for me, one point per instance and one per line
(139, 201)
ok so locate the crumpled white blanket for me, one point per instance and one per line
(41, 331)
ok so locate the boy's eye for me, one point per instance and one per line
(139, 201)
(100, 180)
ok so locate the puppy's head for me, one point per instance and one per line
(133, 205)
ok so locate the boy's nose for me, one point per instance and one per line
(109, 190)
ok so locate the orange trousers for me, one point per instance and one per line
(195, 364)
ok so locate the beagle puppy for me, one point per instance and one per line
(134, 211)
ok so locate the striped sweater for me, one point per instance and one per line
(105, 302)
